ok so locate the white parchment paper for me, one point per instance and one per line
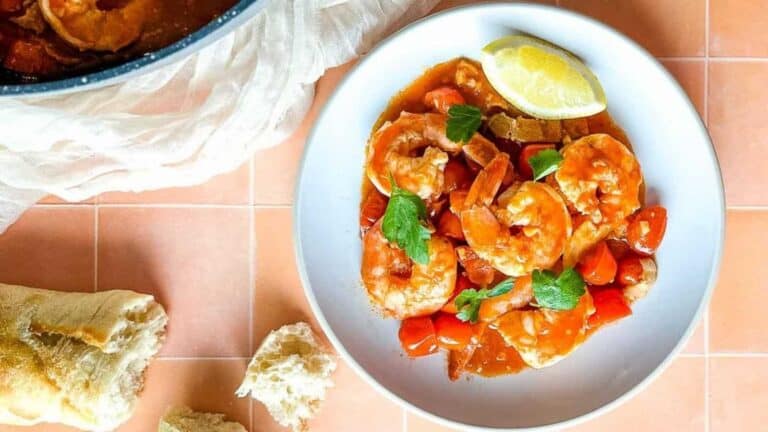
(192, 120)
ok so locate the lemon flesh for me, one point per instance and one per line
(541, 79)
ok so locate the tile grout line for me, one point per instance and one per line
(405, 419)
(707, 414)
(251, 266)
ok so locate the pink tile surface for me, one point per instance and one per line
(227, 274)
(195, 261)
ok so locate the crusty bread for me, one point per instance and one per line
(74, 358)
(290, 374)
(183, 419)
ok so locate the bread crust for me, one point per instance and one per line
(74, 358)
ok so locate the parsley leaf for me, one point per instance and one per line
(468, 301)
(558, 292)
(463, 122)
(403, 226)
(545, 163)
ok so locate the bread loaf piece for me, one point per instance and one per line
(183, 419)
(74, 358)
(290, 374)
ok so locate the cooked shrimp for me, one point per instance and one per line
(601, 178)
(545, 336)
(535, 211)
(400, 287)
(393, 148)
(85, 26)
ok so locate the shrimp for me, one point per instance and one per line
(85, 26)
(392, 151)
(545, 336)
(535, 211)
(402, 288)
(600, 178)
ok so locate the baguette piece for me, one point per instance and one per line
(290, 374)
(74, 358)
(183, 419)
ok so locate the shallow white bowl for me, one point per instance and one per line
(680, 170)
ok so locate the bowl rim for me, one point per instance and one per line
(145, 63)
(718, 197)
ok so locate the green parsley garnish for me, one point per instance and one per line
(403, 225)
(468, 301)
(545, 163)
(463, 122)
(558, 292)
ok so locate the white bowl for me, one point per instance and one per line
(681, 172)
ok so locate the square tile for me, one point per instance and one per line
(665, 28)
(52, 199)
(690, 75)
(195, 261)
(275, 169)
(737, 28)
(737, 100)
(738, 394)
(351, 405)
(695, 345)
(674, 402)
(51, 248)
(278, 295)
(738, 319)
(228, 188)
(203, 385)
(417, 423)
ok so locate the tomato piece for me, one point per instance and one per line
(598, 266)
(519, 296)
(523, 166)
(28, 57)
(443, 98)
(373, 209)
(478, 270)
(11, 6)
(646, 230)
(462, 283)
(610, 306)
(417, 336)
(449, 225)
(452, 333)
(457, 176)
(630, 270)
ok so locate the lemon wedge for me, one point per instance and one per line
(541, 79)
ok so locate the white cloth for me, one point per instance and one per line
(189, 121)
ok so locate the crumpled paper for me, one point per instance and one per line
(192, 120)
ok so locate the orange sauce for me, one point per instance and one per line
(493, 358)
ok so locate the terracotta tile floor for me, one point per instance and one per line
(232, 238)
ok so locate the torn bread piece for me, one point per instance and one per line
(74, 358)
(290, 374)
(184, 419)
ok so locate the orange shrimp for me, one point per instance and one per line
(534, 210)
(545, 336)
(400, 287)
(392, 151)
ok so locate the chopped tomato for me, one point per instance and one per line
(478, 270)
(373, 208)
(630, 270)
(452, 333)
(523, 166)
(449, 225)
(10, 6)
(462, 283)
(457, 176)
(610, 306)
(520, 295)
(443, 98)
(646, 230)
(456, 199)
(598, 266)
(417, 336)
(28, 57)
